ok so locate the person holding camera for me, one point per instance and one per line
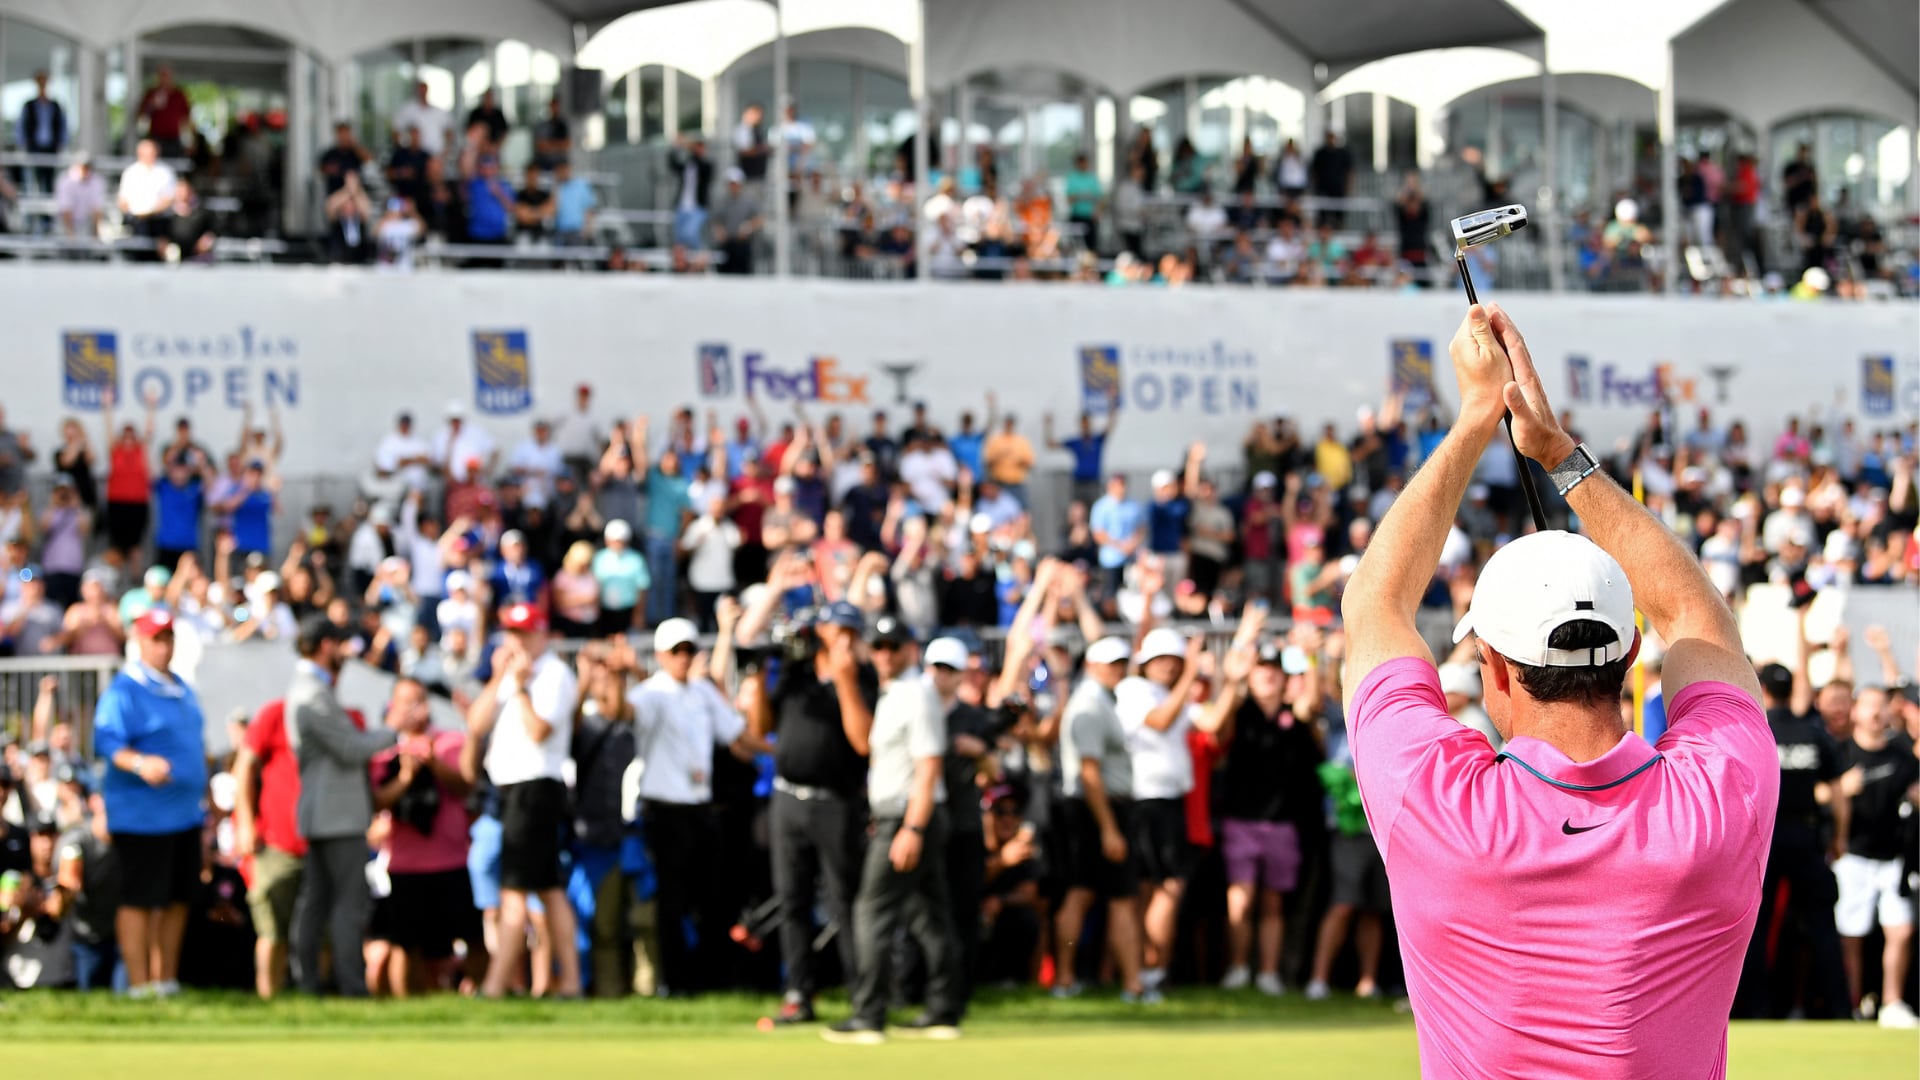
(905, 876)
(419, 785)
(334, 812)
(821, 705)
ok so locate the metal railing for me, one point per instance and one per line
(81, 680)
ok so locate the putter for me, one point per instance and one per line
(1470, 232)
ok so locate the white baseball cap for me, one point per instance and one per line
(1541, 582)
(619, 530)
(459, 580)
(1162, 477)
(1109, 650)
(456, 409)
(674, 633)
(1162, 641)
(951, 652)
(1792, 497)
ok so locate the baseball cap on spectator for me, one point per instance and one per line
(980, 523)
(456, 410)
(1161, 641)
(157, 577)
(735, 175)
(267, 582)
(840, 613)
(316, 629)
(381, 514)
(619, 530)
(39, 748)
(1264, 479)
(674, 633)
(156, 621)
(1270, 655)
(98, 575)
(256, 561)
(1777, 681)
(946, 652)
(1108, 650)
(459, 581)
(513, 536)
(1792, 498)
(44, 822)
(888, 630)
(522, 617)
(1162, 477)
(1539, 583)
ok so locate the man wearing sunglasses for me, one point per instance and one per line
(904, 878)
(678, 720)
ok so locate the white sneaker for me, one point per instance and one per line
(1153, 978)
(166, 989)
(1269, 984)
(1237, 979)
(143, 992)
(1896, 1014)
(1317, 991)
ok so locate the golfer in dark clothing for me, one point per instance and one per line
(904, 879)
(822, 711)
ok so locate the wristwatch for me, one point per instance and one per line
(1574, 468)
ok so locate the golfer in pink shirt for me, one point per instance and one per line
(1578, 905)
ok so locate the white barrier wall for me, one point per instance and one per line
(338, 353)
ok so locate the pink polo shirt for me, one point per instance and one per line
(1563, 919)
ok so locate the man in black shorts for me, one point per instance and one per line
(148, 728)
(420, 786)
(1098, 773)
(528, 708)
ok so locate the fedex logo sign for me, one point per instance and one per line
(1613, 384)
(821, 379)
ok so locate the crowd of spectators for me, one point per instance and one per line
(1294, 217)
(526, 586)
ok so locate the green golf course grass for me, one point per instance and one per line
(1008, 1035)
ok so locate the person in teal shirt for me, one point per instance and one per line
(669, 508)
(623, 579)
(1083, 199)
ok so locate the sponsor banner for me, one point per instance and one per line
(502, 375)
(1411, 372)
(335, 356)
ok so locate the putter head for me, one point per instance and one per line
(1486, 226)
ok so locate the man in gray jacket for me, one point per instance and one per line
(336, 807)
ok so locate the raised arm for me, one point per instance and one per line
(1385, 590)
(1669, 584)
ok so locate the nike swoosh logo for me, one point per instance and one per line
(1571, 829)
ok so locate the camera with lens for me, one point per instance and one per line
(794, 638)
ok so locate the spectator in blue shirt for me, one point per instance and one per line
(516, 579)
(179, 502)
(669, 509)
(623, 579)
(1167, 517)
(252, 510)
(1119, 527)
(969, 441)
(1087, 448)
(489, 205)
(148, 729)
(573, 205)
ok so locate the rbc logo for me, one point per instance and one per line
(1099, 378)
(90, 362)
(502, 376)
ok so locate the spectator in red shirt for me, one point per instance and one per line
(1259, 520)
(1745, 196)
(268, 776)
(419, 786)
(165, 110)
(129, 481)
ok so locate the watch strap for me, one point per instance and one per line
(1572, 469)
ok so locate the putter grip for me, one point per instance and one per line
(1520, 464)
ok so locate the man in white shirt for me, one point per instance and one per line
(929, 471)
(1152, 704)
(537, 462)
(146, 190)
(527, 709)
(404, 456)
(903, 883)
(578, 437)
(679, 717)
(435, 125)
(460, 445)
